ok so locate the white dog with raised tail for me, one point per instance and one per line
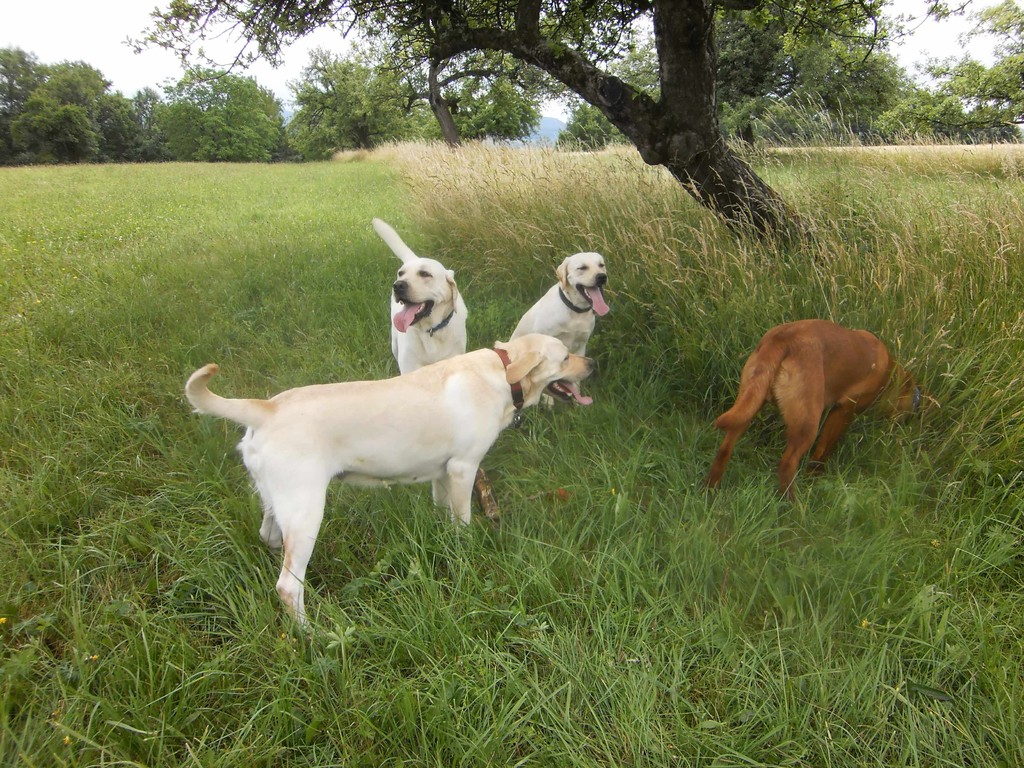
(428, 315)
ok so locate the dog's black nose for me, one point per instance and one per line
(399, 287)
(602, 279)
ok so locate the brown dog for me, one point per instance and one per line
(807, 367)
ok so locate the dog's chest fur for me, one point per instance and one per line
(417, 347)
(576, 331)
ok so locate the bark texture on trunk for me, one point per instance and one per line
(688, 141)
(440, 107)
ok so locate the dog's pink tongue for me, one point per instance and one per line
(580, 397)
(405, 318)
(596, 296)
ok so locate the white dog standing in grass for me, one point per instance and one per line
(568, 310)
(434, 424)
(428, 315)
(428, 324)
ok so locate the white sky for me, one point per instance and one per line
(931, 39)
(96, 33)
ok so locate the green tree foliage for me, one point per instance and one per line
(20, 74)
(59, 120)
(988, 97)
(51, 132)
(489, 108)
(64, 114)
(851, 81)
(473, 95)
(784, 83)
(366, 98)
(215, 116)
(588, 129)
(152, 142)
(117, 123)
(347, 103)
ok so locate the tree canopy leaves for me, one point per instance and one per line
(218, 116)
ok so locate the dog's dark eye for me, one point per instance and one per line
(584, 268)
(424, 274)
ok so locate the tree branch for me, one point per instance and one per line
(528, 19)
(564, 64)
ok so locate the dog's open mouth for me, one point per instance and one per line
(410, 314)
(595, 295)
(568, 392)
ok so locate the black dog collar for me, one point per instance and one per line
(440, 326)
(570, 305)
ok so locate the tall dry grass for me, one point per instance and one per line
(921, 245)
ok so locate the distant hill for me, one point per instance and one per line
(547, 132)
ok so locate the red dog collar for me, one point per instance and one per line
(517, 388)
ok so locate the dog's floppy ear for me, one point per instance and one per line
(450, 277)
(562, 273)
(519, 367)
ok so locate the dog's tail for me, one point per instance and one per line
(394, 242)
(249, 413)
(759, 372)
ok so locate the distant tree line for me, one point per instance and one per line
(65, 113)
(770, 86)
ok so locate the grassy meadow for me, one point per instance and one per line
(619, 616)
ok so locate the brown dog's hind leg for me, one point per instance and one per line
(724, 454)
(798, 442)
(835, 426)
(801, 411)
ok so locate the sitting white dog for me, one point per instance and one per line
(428, 315)
(568, 310)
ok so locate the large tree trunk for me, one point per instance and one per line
(687, 138)
(680, 130)
(440, 107)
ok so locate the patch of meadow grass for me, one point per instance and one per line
(619, 616)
